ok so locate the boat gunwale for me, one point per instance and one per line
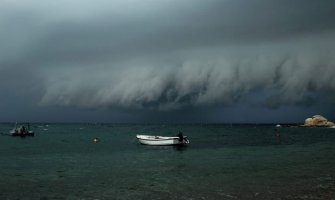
(158, 139)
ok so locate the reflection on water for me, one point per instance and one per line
(180, 147)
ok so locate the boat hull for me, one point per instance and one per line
(161, 141)
(30, 133)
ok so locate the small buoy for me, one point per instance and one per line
(95, 140)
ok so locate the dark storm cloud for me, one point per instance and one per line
(169, 54)
(179, 25)
(288, 78)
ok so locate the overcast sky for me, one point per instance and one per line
(167, 60)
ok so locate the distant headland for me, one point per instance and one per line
(318, 121)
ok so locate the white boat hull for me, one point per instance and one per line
(160, 140)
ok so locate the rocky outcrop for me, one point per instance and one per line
(318, 121)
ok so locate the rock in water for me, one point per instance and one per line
(318, 121)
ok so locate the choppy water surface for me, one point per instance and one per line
(221, 162)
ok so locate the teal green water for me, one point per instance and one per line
(221, 162)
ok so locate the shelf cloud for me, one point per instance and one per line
(168, 55)
(289, 73)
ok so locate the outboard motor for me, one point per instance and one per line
(180, 135)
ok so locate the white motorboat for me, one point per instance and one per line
(162, 140)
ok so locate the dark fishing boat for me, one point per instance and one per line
(21, 131)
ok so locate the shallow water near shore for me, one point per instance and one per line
(221, 162)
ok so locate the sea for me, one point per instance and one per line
(222, 161)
